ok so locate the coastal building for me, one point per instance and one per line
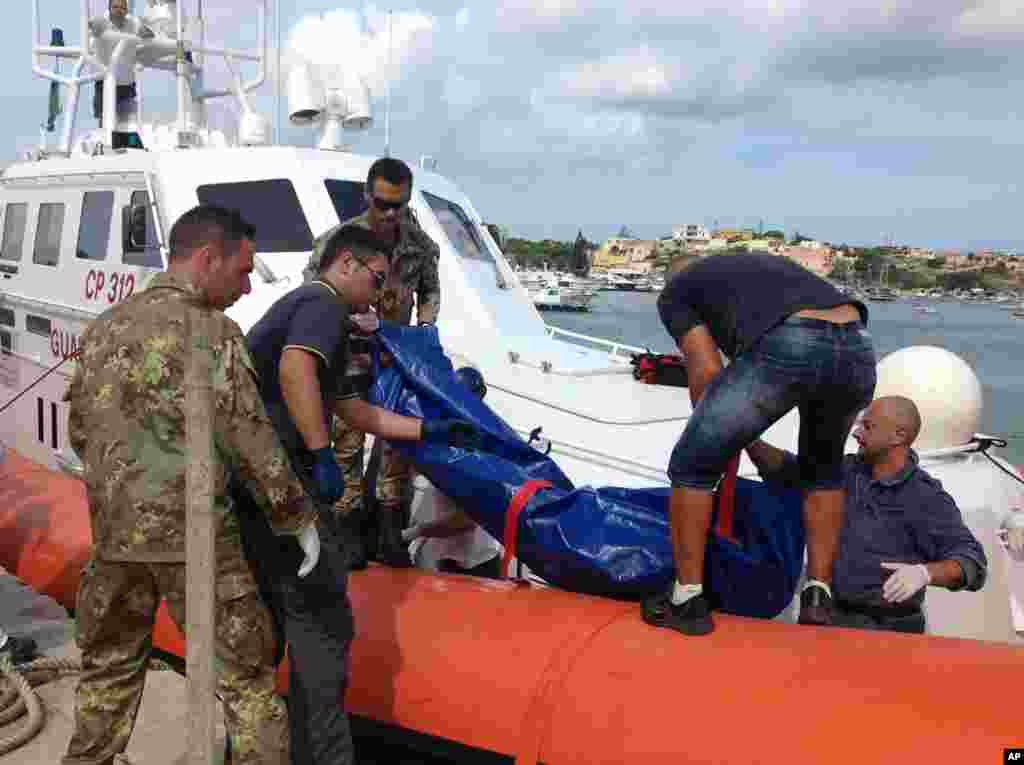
(734, 234)
(691, 232)
(630, 254)
(817, 260)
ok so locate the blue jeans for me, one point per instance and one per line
(825, 370)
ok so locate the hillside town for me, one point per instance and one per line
(892, 267)
(646, 255)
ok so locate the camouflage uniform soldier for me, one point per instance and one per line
(412, 278)
(127, 423)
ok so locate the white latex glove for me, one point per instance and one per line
(906, 579)
(309, 541)
(412, 532)
(368, 322)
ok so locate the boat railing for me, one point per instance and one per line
(619, 352)
(156, 51)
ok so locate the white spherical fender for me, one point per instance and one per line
(943, 386)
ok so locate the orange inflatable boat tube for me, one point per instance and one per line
(549, 676)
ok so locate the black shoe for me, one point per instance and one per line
(815, 606)
(691, 618)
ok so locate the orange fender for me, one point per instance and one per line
(556, 677)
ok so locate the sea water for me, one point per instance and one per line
(984, 335)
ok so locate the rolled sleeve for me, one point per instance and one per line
(946, 537)
(974, 573)
(428, 292)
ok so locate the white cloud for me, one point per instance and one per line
(369, 43)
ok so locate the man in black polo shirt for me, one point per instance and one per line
(794, 341)
(300, 349)
(901, 532)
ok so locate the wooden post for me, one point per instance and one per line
(200, 552)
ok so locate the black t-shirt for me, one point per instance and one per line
(314, 318)
(740, 297)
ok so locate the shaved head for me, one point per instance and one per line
(900, 413)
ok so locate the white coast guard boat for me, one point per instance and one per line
(84, 225)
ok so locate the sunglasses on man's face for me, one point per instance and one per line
(383, 204)
(379, 277)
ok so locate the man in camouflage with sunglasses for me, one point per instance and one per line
(412, 279)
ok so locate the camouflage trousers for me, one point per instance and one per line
(115, 613)
(394, 480)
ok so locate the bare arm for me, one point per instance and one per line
(766, 458)
(946, 573)
(374, 419)
(300, 386)
(703, 361)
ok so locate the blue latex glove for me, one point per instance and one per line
(458, 433)
(330, 483)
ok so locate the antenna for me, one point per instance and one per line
(387, 96)
(277, 100)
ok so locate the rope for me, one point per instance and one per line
(27, 702)
(18, 683)
(41, 377)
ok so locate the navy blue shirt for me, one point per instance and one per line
(740, 297)
(315, 319)
(905, 518)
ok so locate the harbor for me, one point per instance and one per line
(448, 668)
(983, 333)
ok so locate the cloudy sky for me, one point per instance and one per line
(850, 122)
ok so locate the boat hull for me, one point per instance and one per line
(546, 675)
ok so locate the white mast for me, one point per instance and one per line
(387, 97)
(183, 95)
(277, 99)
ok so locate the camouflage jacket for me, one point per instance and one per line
(127, 424)
(413, 271)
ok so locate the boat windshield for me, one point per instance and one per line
(272, 206)
(347, 197)
(460, 230)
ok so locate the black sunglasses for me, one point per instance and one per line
(379, 277)
(382, 204)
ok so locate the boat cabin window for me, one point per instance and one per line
(272, 206)
(49, 227)
(140, 242)
(6, 344)
(37, 325)
(347, 197)
(14, 230)
(7, 317)
(459, 229)
(94, 228)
